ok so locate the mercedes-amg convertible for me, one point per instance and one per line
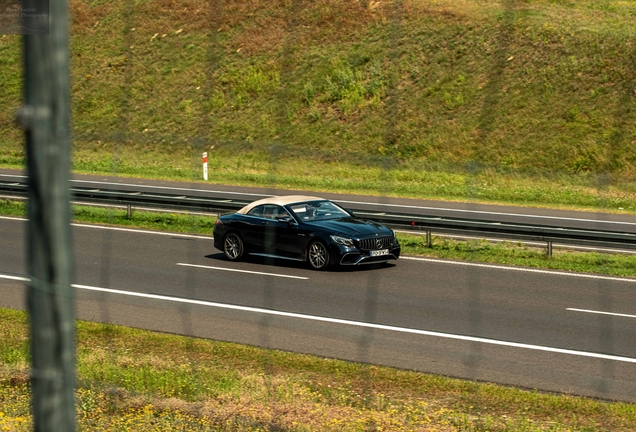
(304, 228)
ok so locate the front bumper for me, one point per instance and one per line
(357, 257)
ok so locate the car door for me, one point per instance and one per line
(272, 228)
(277, 234)
(290, 236)
(254, 229)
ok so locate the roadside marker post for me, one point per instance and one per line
(205, 165)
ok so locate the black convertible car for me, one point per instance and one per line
(304, 228)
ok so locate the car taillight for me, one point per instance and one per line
(218, 222)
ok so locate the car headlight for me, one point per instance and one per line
(342, 240)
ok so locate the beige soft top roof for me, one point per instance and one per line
(279, 200)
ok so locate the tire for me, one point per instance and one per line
(317, 255)
(233, 246)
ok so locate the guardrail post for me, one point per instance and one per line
(549, 250)
(429, 241)
(129, 211)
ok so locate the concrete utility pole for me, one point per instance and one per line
(45, 118)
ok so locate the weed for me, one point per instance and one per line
(131, 379)
(360, 96)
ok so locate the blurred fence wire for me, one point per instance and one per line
(185, 284)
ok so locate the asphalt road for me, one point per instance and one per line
(530, 328)
(487, 212)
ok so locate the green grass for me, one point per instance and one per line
(162, 221)
(523, 101)
(528, 102)
(131, 379)
(477, 250)
(519, 254)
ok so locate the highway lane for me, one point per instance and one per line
(487, 212)
(523, 317)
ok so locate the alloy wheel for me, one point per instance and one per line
(318, 255)
(233, 246)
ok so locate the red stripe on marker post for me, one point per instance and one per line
(205, 166)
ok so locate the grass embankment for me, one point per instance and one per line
(138, 380)
(512, 253)
(528, 102)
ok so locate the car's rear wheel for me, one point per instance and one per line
(318, 256)
(233, 246)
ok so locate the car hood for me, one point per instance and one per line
(352, 227)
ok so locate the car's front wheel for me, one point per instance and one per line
(233, 246)
(317, 255)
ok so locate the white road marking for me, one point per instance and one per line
(601, 313)
(401, 231)
(243, 271)
(364, 203)
(538, 244)
(15, 218)
(461, 263)
(172, 188)
(17, 278)
(486, 212)
(150, 186)
(522, 269)
(175, 188)
(355, 323)
(135, 230)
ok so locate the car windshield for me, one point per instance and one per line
(317, 211)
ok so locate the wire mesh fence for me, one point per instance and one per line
(336, 96)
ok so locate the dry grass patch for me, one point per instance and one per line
(242, 388)
(85, 15)
(297, 93)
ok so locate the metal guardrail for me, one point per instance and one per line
(504, 230)
(427, 224)
(136, 198)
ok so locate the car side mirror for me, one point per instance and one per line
(286, 219)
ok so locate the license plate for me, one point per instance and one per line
(380, 252)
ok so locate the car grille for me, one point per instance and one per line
(375, 243)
